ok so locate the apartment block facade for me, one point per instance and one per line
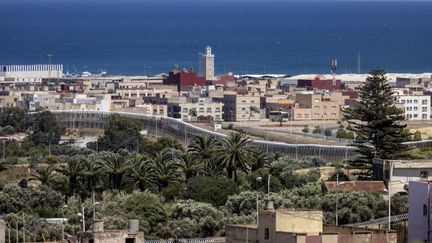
(242, 107)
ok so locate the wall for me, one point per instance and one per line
(418, 221)
(114, 236)
(299, 221)
(239, 233)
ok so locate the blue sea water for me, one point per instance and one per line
(150, 37)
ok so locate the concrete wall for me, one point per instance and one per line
(2, 231)
(239, 233)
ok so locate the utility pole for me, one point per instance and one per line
(337, 198)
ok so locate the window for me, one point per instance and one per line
(424, 102)
(415, 108)
(316, 107)
(130, 240)
(424, 174)
(266, 234)
(415, 101)
(403, 101)
(424, 116)
(424, 109)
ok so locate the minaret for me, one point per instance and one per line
(208, 64)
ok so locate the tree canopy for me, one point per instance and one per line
(376, 121)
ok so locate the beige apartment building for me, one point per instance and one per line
(148, 109)
(297, 226)
(318, 106)
(202, 110)
(239, 107)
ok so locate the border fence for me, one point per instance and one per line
(183, 131)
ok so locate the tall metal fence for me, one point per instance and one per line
(197, 240)
(183, 131)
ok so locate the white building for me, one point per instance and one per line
(416, 107)
(208, 64)
(32, 71)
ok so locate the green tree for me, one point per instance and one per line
(91, 169)
(252, 110)
(376, 121)
(210, 189)
(120, 133)
(417, 136)
(116, 167)
(305, 129)
(46, 130)
(190, 164)
(203, 146)
(72, 169)
(317, 129)
(236, 152)
(45, 175)
(166, 169)
(142, 173)
(15, 117)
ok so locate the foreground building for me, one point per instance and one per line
(419, 211)
(99, 235)
(296, 226)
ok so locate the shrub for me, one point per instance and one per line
(316, 130)
(306, 129)
(328, 132)
(210, 189)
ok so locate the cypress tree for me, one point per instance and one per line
(376, 121)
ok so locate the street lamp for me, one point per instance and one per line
(389, 202)
(94, 210)
(258, 179)
(82, 218)
(268, 185)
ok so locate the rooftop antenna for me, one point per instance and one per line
(333, 70)
(359, 63)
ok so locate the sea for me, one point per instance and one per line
(247, 37)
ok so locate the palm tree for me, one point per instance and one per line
(211, 169)
(190, 164)
(46, 175)
(235, 152)
(166, 169)
(203, 146)
(91, 170)
(142, 172)
(72, 170)
(116, 167)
